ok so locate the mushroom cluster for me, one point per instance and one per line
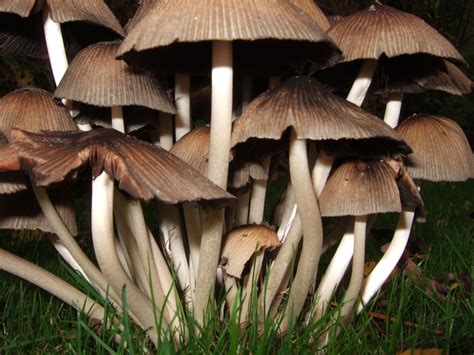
(271, 86)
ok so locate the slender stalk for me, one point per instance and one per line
(117, 118)
(251, 286)
(182, 99)
(192, 220)
(242, 211)
(392, 255)
(70, 243)
(393, 109)
(362, 83)
(219, 147)
(166, 130)
(312, 228)
(104, 246)
(257, 196)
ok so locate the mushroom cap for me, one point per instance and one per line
(175, 29)
(21, 210)
(143, 9)
(22, 8)
(381, 29)
(94, 11)
(33, 110)
(143, 170)
(245, 173)
(111, 82)
(11, 181)
(193, 148)
(313, 112)
(313, 10)
(359, 188)
(441, 151)
(242, 242)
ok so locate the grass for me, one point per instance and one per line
(34, 322)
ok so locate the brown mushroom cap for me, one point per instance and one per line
(111, 82)
(359, 188)
(441, 151)
(242, 242)
(175, 28)
(143, 170)
(381, 29)
(313, 112)
(313, 10)
(193, 148)
(244, 174)
(22, 8)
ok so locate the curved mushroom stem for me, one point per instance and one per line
(242, 210)
(219, 147)
(361, 84)
(182, 99)
(257, 196)
(70, 243)
(357, 274)
(334, 273)
(250, 288)
(393, 109)
(392, 255)
(104, 247)
(192, 219)
(51, 283)
(308, 209)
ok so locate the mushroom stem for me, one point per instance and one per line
(104, 247)
(70, 243)
(219, 147)
(117, 118)
(242, 210)
(192, 219)
(308, 209)
(182, 101)
(250, 288)
(361, 84)
(357, 274)
(166, 130)
(393, 108)
(66, 255)
(50, 283)
(392, 255)
(257, 197)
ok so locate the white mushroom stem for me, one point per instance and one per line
(166, 130)
(117, 118)
(250, 288)
(392, 255)
(170, 225)
(66, 255)
(68, 241)
(309, 213)
(257, 196)
(334, 272)
(182, 99)
(219, 147)
(50, 283)
(321, 170)
(357, 274)
(55, 45)
(361, 84)
(192, 220)
(242, 210)
(393, 109)
(104, 247)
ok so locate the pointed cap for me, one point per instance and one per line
(143, 170)
(381, 29)
(441, 151)
(95, 77)
(242, 242)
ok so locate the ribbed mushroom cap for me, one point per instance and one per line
(143, 9)
(441, 151)
(94, 11)
(174, 28)
(246, 173)
(314, 113)
(95, 77)
(33, 110)
(22, 8)
(381, 29)
(313, 10)
(21, 211)
(241, 243)
(193, 148)
(143, 170)
(359, 188)
(11, 181)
